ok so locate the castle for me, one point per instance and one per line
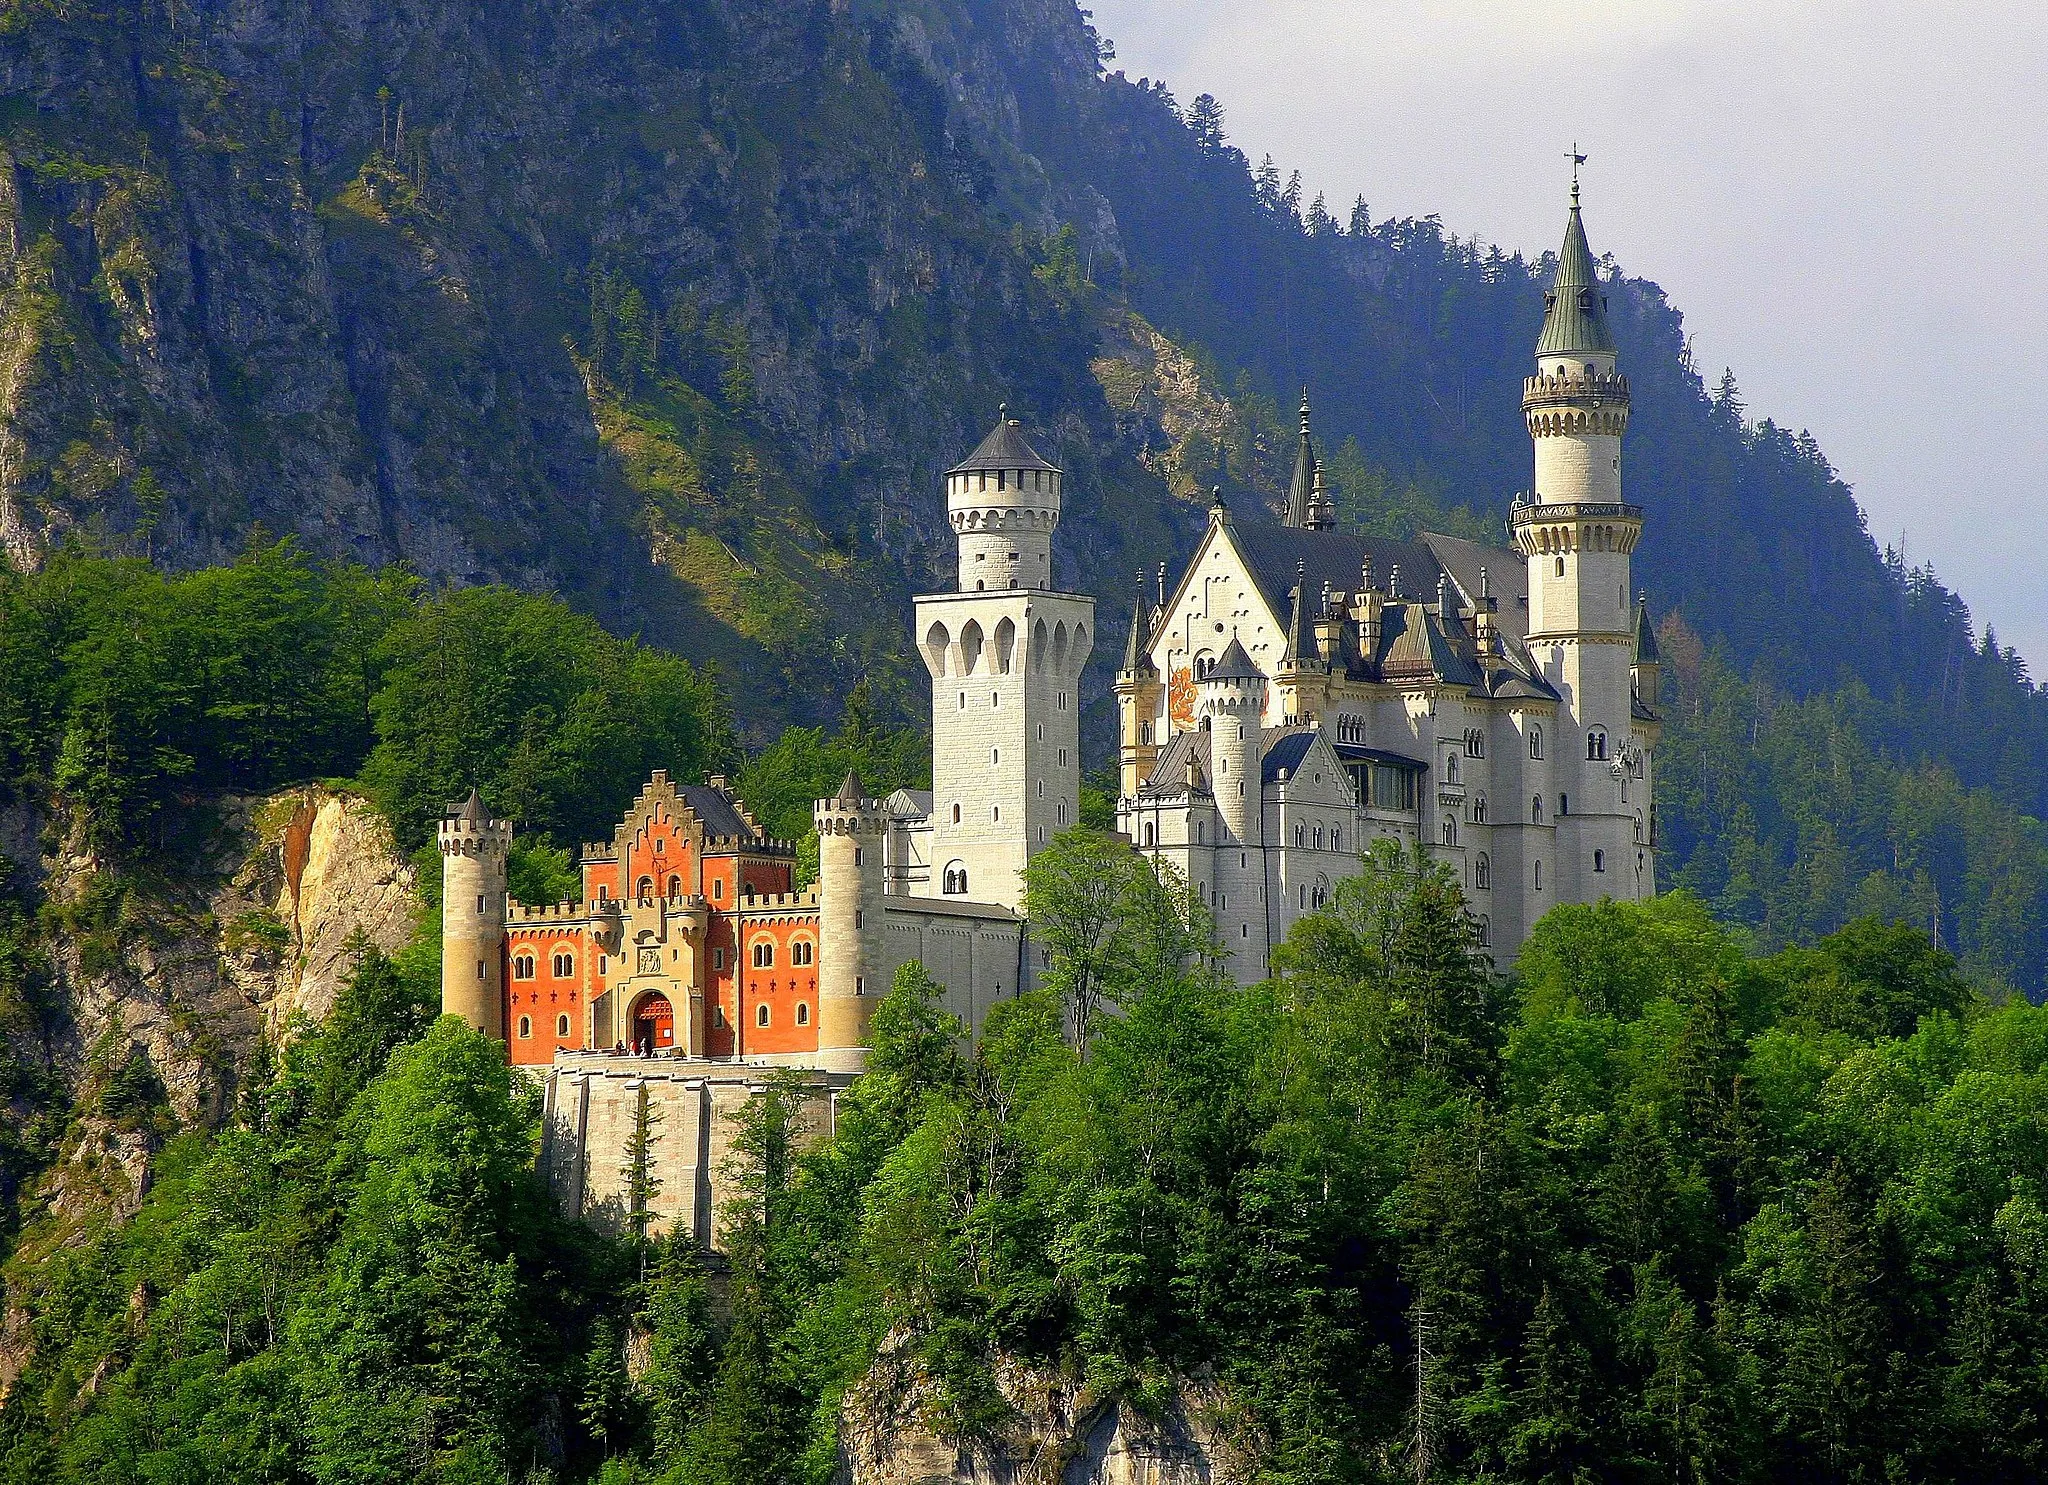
(1298, 695)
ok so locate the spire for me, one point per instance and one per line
(470, 811)
(849, 795)
(1574, 311)
(1297, 653)
(1235, 665)
(1004, 448)
(1322, 513)
(1301, 489)
(1646, 632)
(1135, 656)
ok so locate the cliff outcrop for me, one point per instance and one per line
(1056, 1431)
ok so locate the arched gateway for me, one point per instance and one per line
(654, 1022)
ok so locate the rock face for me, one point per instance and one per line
(1058, 1433)
(176, 984)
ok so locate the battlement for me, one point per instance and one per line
(571, 913)
(770, 902)
(1574, 390)
(470, 837)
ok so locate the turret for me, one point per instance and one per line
(474, 851)
(1303, 676)
(1003, 501)
(1232, 699)
(850, 908)
(1137, 703)
(1646, 672)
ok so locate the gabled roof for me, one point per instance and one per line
(1169, 776)
(1285, 748)
(1004, 448)
(716, 812)
(909, 804)
(1574, 311)
(1276, 554)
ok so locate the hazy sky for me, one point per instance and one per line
(1848, 201)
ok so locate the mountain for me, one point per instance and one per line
(675, 307)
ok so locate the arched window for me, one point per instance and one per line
(1319, 837)
(761, 1014)
(1450, 768)
(562, 1025)
(1336, 838)
(1599, 861)
(956, 814)
(1482, 871)
(1450, 830)
(1479, 809)
(522, 967)
(800, 952)
(675, 886)
(764, 954)
(645, 891)
(525, 1027)
(564, 966)
(1535, 740)
(1536, 810)
(1475, 744)
(803, 1013)
(1596, 744)
(1560, 567)
(1539, 876)
(954, 882)
(1151, 835)
(1564, 804)
(1485, 931)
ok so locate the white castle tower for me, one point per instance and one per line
(1232, 702)
(1005, 654)
(1577, 535)
(474, 852)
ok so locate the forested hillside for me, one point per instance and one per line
(676, 306)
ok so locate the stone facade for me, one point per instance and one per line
(1301, 693)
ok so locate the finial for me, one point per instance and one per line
(1485, 585)
(1365, 572)
(1216, 497)
(1300, 571)
(1304, 409)
(1394, 582)
(1002, 412)
(1577, 160)
(1443, 593)
(1162, 585)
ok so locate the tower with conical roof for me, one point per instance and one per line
(1137, 700)
(1578, 536)
(1005, 651)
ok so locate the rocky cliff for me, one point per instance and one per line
(1057, 1432)
(170, 983)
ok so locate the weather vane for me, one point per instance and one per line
(1577, 160)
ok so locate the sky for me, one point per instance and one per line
(1848, 201)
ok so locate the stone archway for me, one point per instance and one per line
(654, 1022)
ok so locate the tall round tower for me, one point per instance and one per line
(474, 850)
(1578, 536)
(850, 907)
(1232, 699)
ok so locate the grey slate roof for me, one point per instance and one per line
(716, 812)
(1646, 632)
(1004, 448)
(1574, 311)
(1276, 553)
(469, 811)
(1235, 665)
(1137, 646)
(1285, 748)
(1170, 769)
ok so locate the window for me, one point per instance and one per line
(1392, 788)
(1482, 871)
(1596, 744)
(660, 847)
(995, 757)
(480, 905)
(1151, 834)
(1599, 861)
(1475, 743)
(954, 882)
(1350, 729)
(1450, 830)
(1336, 838)
(561, 1025)
(645, 891)
(1536, 810)
(764, 955)
(481, 973)
(1564, 804)
(718, 889)
(525, 1027)
(522, 967)
(1535, 740)
(1479, 809)
(1539, 876)
(1560, 567)
(1485, 931)
(565, 966)
(956, 814)
(761, 1014)
(1319, 837)
(1450, 768)
(718, 959)
(675, 886)
(801, 952)
(803, 1014)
